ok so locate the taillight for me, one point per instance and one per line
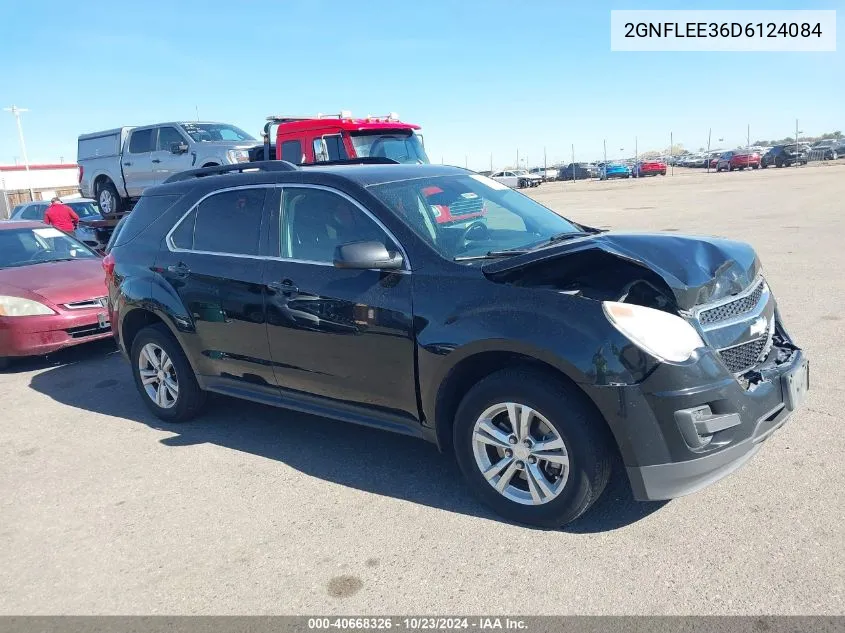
(108, 265)
(81, 171)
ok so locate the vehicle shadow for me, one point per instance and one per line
(359, 457)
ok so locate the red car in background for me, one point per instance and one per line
(649, 168)
(738, 160)
(52, 291)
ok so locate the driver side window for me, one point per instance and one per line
(314, 222)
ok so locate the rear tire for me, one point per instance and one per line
(109, 200)
(189, 398)
(560, 492)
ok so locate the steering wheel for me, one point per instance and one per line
(476, 231)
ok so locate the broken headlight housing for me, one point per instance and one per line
(665, 336)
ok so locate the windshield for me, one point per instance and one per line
(22, 247)
(84, 209)
(404, 147)
(211, 132)
(497, 218)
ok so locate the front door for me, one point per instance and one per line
(212, 262)
(137, 161)
(336, 333)
(164, 161)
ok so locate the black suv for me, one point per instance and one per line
(785, 156)
(536, 348)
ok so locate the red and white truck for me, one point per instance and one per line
(333, 137)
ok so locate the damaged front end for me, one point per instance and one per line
(695, 417)
(715, 284)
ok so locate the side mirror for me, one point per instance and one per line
(178, 148)
(367, 255)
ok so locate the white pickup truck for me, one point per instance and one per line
(115, 166)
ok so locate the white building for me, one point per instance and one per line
(45, 181)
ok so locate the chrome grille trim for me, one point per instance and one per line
(88, 304)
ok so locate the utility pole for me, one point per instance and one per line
(672, 152)
(636, 158)
(545, 164)
(796, 131)
(604, 167)
(197, 110)
(517, 158)
(16, 111)
(491, 162)
(748, 137)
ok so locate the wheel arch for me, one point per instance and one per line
(473, 367)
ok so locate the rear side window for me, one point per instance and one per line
(183, 236)
(229, 222)
(141, 142)
(34, 212)
(146, 212)
(292, 152)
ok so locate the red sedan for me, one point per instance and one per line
(649, 168)
(52, 291)
(738, 160)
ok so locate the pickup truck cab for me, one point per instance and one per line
(115, 166)
(324, 138)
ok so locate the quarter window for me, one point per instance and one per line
(141, 142)
(228, 222)
(314, 222)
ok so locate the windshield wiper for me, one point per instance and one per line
(563, 237)
(490, 255)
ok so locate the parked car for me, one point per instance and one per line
(609, 171)
(512, 178)
(649, 168)
(510, 342)
(826, 150)
(88, 232)
(578, 171)
(784, 156)
(532, 180)
(546, 173)
(736, 159)
(115, 166)
(52, 293)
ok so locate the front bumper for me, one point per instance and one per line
(659, 440)
(39, 335)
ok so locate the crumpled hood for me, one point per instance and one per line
(697, 269)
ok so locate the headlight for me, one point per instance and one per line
(16, 306)
(238, 156)
(663, 335)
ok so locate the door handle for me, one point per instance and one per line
(179, 269)
(156, 160)
(127, 164)
(286, 287)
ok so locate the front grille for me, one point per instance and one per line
(743, 357)
(87, 330)
(732, 309)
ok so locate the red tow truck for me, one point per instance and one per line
(324, 138)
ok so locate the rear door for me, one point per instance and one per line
(212, 262)
(137, 161)
(164, 162)
(336, 333)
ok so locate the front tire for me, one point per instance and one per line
(531, 448)
(164, 377)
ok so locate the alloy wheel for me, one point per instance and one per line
(158, 376)
(520, 453)
(106, 201)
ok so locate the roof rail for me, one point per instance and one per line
(363, 160)
(265, 165)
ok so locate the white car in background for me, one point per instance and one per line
(513, 178)
(545, 173)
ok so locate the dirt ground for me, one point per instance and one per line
(105, 510)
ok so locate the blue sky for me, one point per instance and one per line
(482, 78)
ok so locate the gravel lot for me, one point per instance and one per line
(103, 509)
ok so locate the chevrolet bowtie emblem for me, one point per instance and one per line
(758, 327)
